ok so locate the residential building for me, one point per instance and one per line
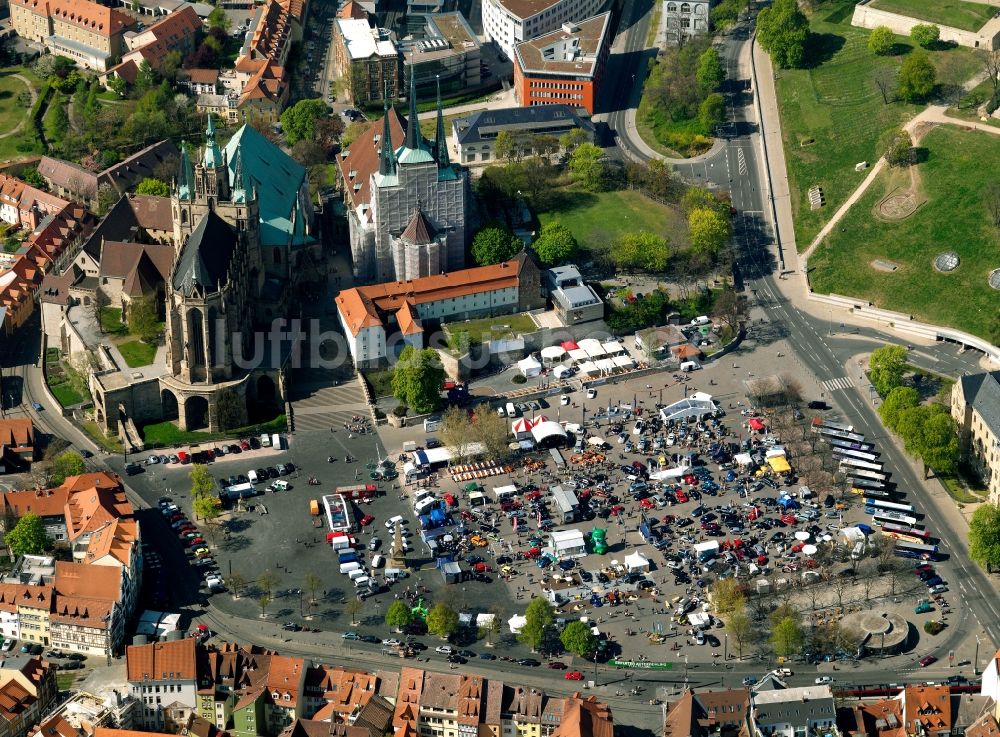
(882, 718)
(199, 81)
(793, 712)
(17, 444)
(19, 285)
(163, 674)
(27, 690)
(574, 300)
(82, 713)
(367, 60)
(565, 65)
(533, 130)
(585, 717)
(176, 32)
(509, 22)
(87, 32)
(927, 710)
(224, 106)
(31, 570)
(87, 615)
(381, 318)
(686, 18)
(73, 182)
(975, 405)
(389, 187)
(26, 206)
(708, 714)
(33, 606)
(441, 49)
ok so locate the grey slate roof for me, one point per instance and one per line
(982, 392)
(205, 258)
(543, 119)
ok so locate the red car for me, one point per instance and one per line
(194, 542)
(532, 495)
(244, 445)
(533, 553)
(482, 568)
(682, 497)
(927, 660)
(573, 675)
(366, 520)
(788, 519)
(646, 503)
(616, 510)
(668, 519)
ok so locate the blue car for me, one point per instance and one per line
(566, 565)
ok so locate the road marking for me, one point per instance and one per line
(843, 382)
(742, 161)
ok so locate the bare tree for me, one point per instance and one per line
(991, 198)
(991, 62)
(885, 80)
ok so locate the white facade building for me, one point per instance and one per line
(509, 22)
(162, 674)
(686, 17)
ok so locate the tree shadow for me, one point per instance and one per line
(900, 48)
(235, 543)
(920, 154)
(567, 200)
(821, 47)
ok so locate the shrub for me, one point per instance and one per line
(400, 410)
(379, 414)
(518, 379)
(933, 627)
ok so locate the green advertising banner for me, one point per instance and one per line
(641, 664)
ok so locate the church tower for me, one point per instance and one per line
(211, 175)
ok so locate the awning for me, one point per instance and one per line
(613, 347)
(589, 367)
(636, 561)
(529, 366)
(569, 345)
(595, 440)
(547, 429)
(670, 473)
(553, 352)
(578, 354)
(756, 425)
(560, 371)
(778, 464)
(624, 361)
(605, 365)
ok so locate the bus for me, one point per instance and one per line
(916, 550)
(859, 455)
(860, 473)
(918, 534)
(819, 425)
(853, 437)
(891, 506)
(850, 445)
(855, 463)
(881, 517)
(873, 485)
(870, 493)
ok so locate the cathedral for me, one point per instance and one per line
(407, 203)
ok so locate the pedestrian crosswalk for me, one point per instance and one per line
(843, 382)
(321, 400)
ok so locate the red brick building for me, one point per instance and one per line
(565, 66)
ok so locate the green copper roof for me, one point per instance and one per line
(420, 155)
(212, 158)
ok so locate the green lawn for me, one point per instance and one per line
(954, 13)
(953, 218)
(832, 114)
(488, 328)
(11, 111)
(598, 218)
(110, 443)
(111, 321)
(136, 353)
(66, 395)
(379, 381)
(167, 433)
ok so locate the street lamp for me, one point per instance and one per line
(725, 648)
(975, 662)
(830, 328)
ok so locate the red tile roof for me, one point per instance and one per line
(176, 660)
(88, 15)
(360, 160)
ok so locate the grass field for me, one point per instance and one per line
(111, 321)
(597, 219)
(136, 353)
(954, 13)
(953, 218)
(832, 114)
(110, 443)
(11, 111)
(167, 433)
(65, 394)
(488, 328)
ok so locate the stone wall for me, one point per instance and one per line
(865, 16)
(141, 400)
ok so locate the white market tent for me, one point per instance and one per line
(605, 365)
(578, 354)
(743, 459)
(516, 623)
(568, 544)
(589, 367)
(624, 361)
(529, 366)
(547, 429)
(613, 347)
(502, 492)
(553, 352)
(595, 440)
(560, 371)
(592, 346)
(636, 561)
(711, 547)
(669, 473)
(697, 405)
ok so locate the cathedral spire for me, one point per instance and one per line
(241, 192)
(413, 124)
(185, 179)
(440, 141)
(212, 157)
(387, 159)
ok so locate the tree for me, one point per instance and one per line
(218, 19)
(991, 62)
(881, 41)
(263, 600)
(494, 243)
(709, 232)
(417, 379)
(538, 617)
(577, 638)
(236, 583)
(586, 166)
(571, 139)
(207, 507)
(231, 411)
(727, 596)
(917, 77)
(442, 621)
(925, 35)
(351, 133)
(309, 152)
(65, 465)
(991, 199)
(886, 80)
(787, 637)
(727, 12)
(28, 536)
(901, 398)
(783, 31)
(267, 581)
(153, 186)
(353, 608)
(643, 250)
(142, 319)
(740, 628)
(555, 244)
(711, 73)
(729, 307)
(202, 482)
(712, 111)
(456, 433)
(984, 536)
(491, 430)
(398, 615)
(897, 148)
(930, 433)
(698, 198)
(503, 146)
(298, 121)
(312, 583)
(146, 77)
(886, 367)
(329, 131)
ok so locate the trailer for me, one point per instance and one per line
(852, 445)
(855, 463)
(861, 473)
(881, 516)
(358, 492)
(819, 424)
(859, 455)
(870, 493)
(891, 506)
(871, 485)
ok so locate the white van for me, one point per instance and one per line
(421, 494)
(252, 475)
(279, 485)
(348, 567)
(425, 505)
(361, 582)
(276, 441)
(511, 410)
(265, 440)
(501, 412)
(356, 574)
(378, 561)
(690, 366)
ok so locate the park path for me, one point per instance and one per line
(34, 96)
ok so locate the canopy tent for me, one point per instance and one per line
(595, 440)
(546, 429)
(553, 352)
(593, 347)
(516, 623)
(409, 469)
(697, 405)
(624, 361)
(568, 544)
(522, 426)
(756, 425)
(504, 492)
(774, 450)
(613, 347)
(588, 367)
(853, 534)
(636, 561)
(605, 365)
(560, 371)
(669, 473)
(578, 354)
(778, 464)
(742, 459)
(569, 345)
(529, 366)
(435, 456)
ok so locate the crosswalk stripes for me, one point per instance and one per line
(741, 159)
(843, 382)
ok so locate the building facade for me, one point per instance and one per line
(441, 49)
(686, 18)
(975, 405)
(564, 66)
(367, 60)
(509, 22)
(163, 674)
(533, 130)
(88, 33)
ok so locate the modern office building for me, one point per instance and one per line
(441, 49)
(367, 61)
(509, 22)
